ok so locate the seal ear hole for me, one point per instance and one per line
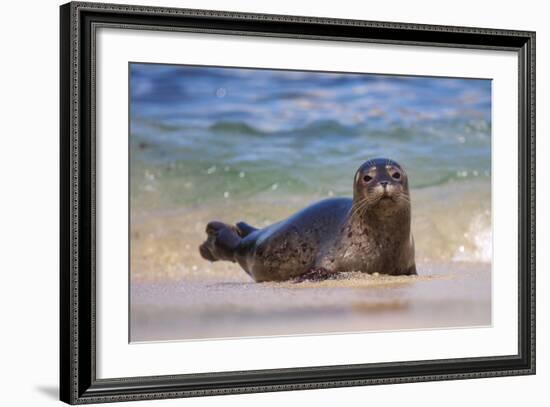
(396, 175)
(367, 178)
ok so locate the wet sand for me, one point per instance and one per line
(442, 296)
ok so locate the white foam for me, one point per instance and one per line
(478, 245)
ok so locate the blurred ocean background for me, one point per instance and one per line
(248, 144)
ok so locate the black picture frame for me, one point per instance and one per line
(78, 382)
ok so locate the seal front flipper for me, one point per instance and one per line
(316, 274)
(221, 242)
(411, 271)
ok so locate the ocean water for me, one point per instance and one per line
(247, 144)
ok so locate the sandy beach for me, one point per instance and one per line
(444, 295)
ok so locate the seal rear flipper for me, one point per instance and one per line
(245, 229)
(221, 242)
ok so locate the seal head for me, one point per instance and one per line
(381, 186)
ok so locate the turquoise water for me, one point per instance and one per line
(200, 136)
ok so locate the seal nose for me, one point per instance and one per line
(384, 184)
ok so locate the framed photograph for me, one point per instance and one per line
(255, 203)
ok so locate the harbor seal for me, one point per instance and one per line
(370, 233)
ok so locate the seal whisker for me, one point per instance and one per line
(361, 207)
(358, 208)
(404, 198)
(355, 204)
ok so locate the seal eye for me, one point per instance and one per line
(396, 175)
(367, 178)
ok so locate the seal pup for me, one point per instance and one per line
(370, 233)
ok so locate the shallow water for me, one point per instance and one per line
(258, 145)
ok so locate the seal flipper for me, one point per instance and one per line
(411, 271)
(316, 274)
(221, 243)
(245, 229)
